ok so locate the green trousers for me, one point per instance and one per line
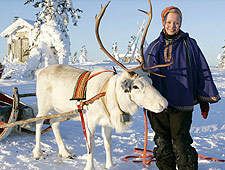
(173, 140)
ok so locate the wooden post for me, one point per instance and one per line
(1, 70)
(15, 101)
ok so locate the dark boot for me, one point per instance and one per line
(165, 158)
(186, 157)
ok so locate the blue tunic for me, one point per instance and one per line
(188, 80)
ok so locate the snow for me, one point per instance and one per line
(16, 149)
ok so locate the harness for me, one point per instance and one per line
(79, 94)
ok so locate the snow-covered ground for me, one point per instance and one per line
(16, 149)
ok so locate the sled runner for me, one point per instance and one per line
(11, 109)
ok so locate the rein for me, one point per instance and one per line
(146, 156)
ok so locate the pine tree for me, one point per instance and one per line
(115, 53)
(50, 43)
(74, 58)
(83, 56)
(57, 10)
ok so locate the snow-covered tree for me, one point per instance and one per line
(50, 42)
(74, 59)
(115, 53)
(132, 48)
(221, 57)
(83, 56)
(133, 52)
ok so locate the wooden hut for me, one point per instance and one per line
(17, 35)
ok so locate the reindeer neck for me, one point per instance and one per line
(104, 89)
(113, 106)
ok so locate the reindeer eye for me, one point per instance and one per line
(126, 91)
(135, 87)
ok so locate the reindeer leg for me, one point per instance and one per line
(107, 137)
(63, 151)
(37, 152)
(91, 142)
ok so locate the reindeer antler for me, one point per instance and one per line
(145, 32)
(97, 22)
(143, 40)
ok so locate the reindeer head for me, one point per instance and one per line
(134, 84)
(136, 91)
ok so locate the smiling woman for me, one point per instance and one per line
(188, 81)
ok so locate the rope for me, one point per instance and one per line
(6, 125)
(144, 152)
(209, 158)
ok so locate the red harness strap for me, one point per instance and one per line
(93, 75)
(83, 125)
(93, 98)
(80, 106)
(80, 109)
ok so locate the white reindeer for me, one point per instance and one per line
(124, 94)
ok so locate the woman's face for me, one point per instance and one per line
(172, 24)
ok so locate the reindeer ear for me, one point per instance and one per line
(126, 85)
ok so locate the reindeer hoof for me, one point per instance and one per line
(67, 155)
(109, 166)
(72, 157)
(37, 154)
(38, 157)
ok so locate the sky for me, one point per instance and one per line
(204, 20)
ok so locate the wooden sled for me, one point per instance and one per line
(11, 109)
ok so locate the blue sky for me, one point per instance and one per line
(204, 20)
